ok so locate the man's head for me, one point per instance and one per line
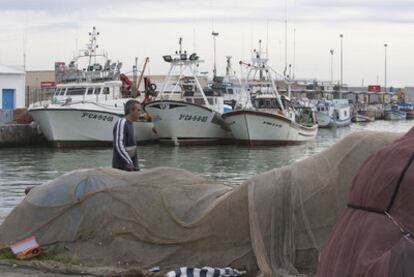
(132, 110)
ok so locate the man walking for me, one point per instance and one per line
(124, 144)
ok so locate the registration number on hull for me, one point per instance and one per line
(189, 117)
(95, 116)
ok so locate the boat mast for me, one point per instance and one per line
(259, 63)
(141, 77)
(294, 53)
(229, 67)
(275, 91)
(215, 34)
(184, 62)
(92, 46)
(259, 57)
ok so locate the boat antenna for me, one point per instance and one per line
(194, 37)
(260, 46)
(286, 38)
(294, 54)
(267, 39)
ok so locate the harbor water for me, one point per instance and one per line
(230, 164)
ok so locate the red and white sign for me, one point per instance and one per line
(374, 88)
(26, 248)
(47, 84)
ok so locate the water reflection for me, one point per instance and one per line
(21, 167)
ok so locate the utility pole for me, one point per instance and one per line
(342, 65)
(286, 40)
(215, 34)
(332, 51)
(385, 69)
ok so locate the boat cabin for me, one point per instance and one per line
(269, 102)
(92, 92)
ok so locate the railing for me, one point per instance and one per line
(200, 100)
(38, 95)
(6, 116)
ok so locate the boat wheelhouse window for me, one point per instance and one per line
(97, 90)
(230, 91)
(188, 93)
(106, 90)
(57, 91)
(76, 91)
(199, 101)
(62, 91)
(210, 101)
(90, 91)
(260, 103)
(268, 103)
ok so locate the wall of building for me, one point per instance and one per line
(409, 93)
(17, 83)
(35, 77)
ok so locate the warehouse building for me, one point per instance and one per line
(12, 91)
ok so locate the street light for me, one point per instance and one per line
(215, 34)
(385, 69)
(332, 54)
(342, 64)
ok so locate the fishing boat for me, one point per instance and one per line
(362, 117)
(393, 112)
(410, 114)
(86, 103)
(335, 113)
(185, 114)
(268, 118)
(228, 86)
(406, 107)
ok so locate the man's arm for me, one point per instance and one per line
(119, 141)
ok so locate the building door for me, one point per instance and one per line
(8, 99)
(7, 107)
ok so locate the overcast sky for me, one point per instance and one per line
(50, 30)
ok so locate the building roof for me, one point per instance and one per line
(8, 69)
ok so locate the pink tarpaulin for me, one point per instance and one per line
(372, 236)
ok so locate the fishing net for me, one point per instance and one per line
(373, 235)
(276, 223)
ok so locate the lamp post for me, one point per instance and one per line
(215, 34)
(385, 67)
(342, 65)
(332, 54)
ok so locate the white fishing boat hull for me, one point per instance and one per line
(144, 132)
(326, 121)
(395, 115)
(359, 118)
(71, 127)
(182, 123)
(260, 128)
